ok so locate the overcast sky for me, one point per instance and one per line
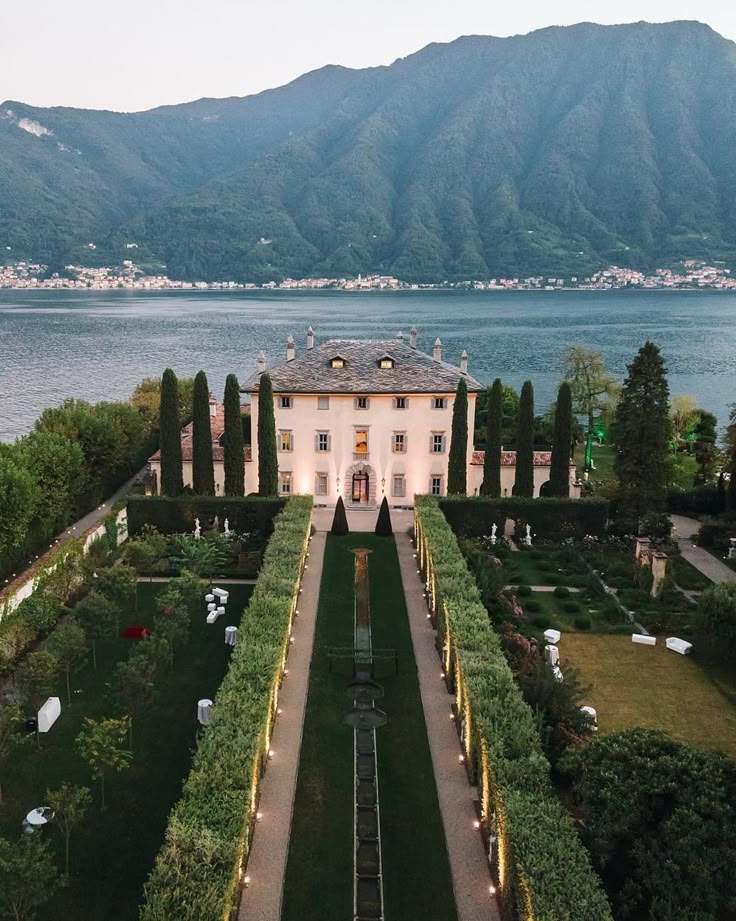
(138, 54)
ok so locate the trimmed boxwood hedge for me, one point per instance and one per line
(176, 514)
(552, 519)
(198, 870)
(543, 870)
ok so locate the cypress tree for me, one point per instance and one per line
(559, 475)
(172, 479)
(339, 520)
(383, 524)
(524, 480)
(233, 440)
(203, 472)
(492, 464)
(268, 467)
(457, 469)
(644, 427)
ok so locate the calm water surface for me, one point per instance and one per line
(98, 345)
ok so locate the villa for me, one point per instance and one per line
(367, 418)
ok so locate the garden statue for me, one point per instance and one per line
(528, 538)
(227, 528)
(494, 528)
(216, 522)
(732, 548)
(197, 529)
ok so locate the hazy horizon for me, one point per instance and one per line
(166, 53)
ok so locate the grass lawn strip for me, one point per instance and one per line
(634, 685)
(416, 872)
(113, 851)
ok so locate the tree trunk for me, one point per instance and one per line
(102, 790)
(130, 733)
(94, 654)
(66, 853)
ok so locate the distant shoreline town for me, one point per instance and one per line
(692, 274)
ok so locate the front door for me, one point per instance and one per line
(360, 488)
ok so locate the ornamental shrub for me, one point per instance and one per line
(540, 620)
(524, 480)
(383, 523)
(571, 607)
(582, 622)
(203, 471)
(457, 464)
(172, 481)
(532, 606)
(524, 590)
(561, 591)
(340, 519)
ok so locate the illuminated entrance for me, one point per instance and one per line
(361, 484)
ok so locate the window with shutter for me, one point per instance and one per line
(361, 402)
(401, 402)
(323, 402)
(320, 486)
(322, 442)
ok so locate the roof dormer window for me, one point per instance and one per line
(337, 361)
(386, 362)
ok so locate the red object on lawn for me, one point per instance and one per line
(135, 632)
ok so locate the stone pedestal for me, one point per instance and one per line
(659, 572)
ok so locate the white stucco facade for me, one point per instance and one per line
(396, 446)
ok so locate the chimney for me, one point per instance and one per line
(290, 349)
(437, 350)
(400, 336)
(464, 362)
(413, 337)
(213, 406)
(261, 364)
(310, 338)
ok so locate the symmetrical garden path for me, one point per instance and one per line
(703, 561)
(261, 900)
(468, 862)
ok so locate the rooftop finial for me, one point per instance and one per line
(310, 338)
(413, 337)
(437, 349)
(290, 349)
(261, 365)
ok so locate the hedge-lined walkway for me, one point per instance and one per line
(261, 901)
(699, 557)
(468, 863)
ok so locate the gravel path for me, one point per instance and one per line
(705, 562)
(468, 863)
(261, 900)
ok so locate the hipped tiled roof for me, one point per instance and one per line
(217, 427)
(413, 371)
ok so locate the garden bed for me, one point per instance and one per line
(113, 851)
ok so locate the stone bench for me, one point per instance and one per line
(552, 636)
(644, 640)
(677, 645)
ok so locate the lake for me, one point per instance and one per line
(98, 345)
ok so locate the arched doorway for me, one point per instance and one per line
(360, 491)
(360, 486)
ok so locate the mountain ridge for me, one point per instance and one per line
(556, 152)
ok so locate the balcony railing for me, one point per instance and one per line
(361, 455)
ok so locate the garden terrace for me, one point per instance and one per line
(633, 685)
(551, 520)
(177, 515)
(112, 851)
(542, 868)
(319, 875)
(201, 866)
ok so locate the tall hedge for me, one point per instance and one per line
(550, 519)
(232, 441)
(172, 478)
(559, 474)
(383, 522)
(457, 466)
(208, 838)
(544, 872)
(203, 471)
(177, 515)
(491, 485)
(268, 467)
(524, 481)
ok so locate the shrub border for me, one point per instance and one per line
(200, 868)
(544, 872)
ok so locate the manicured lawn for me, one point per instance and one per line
(319, 876)
(603, 456)
(114, 850)
(553, 612)
(634, 685)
